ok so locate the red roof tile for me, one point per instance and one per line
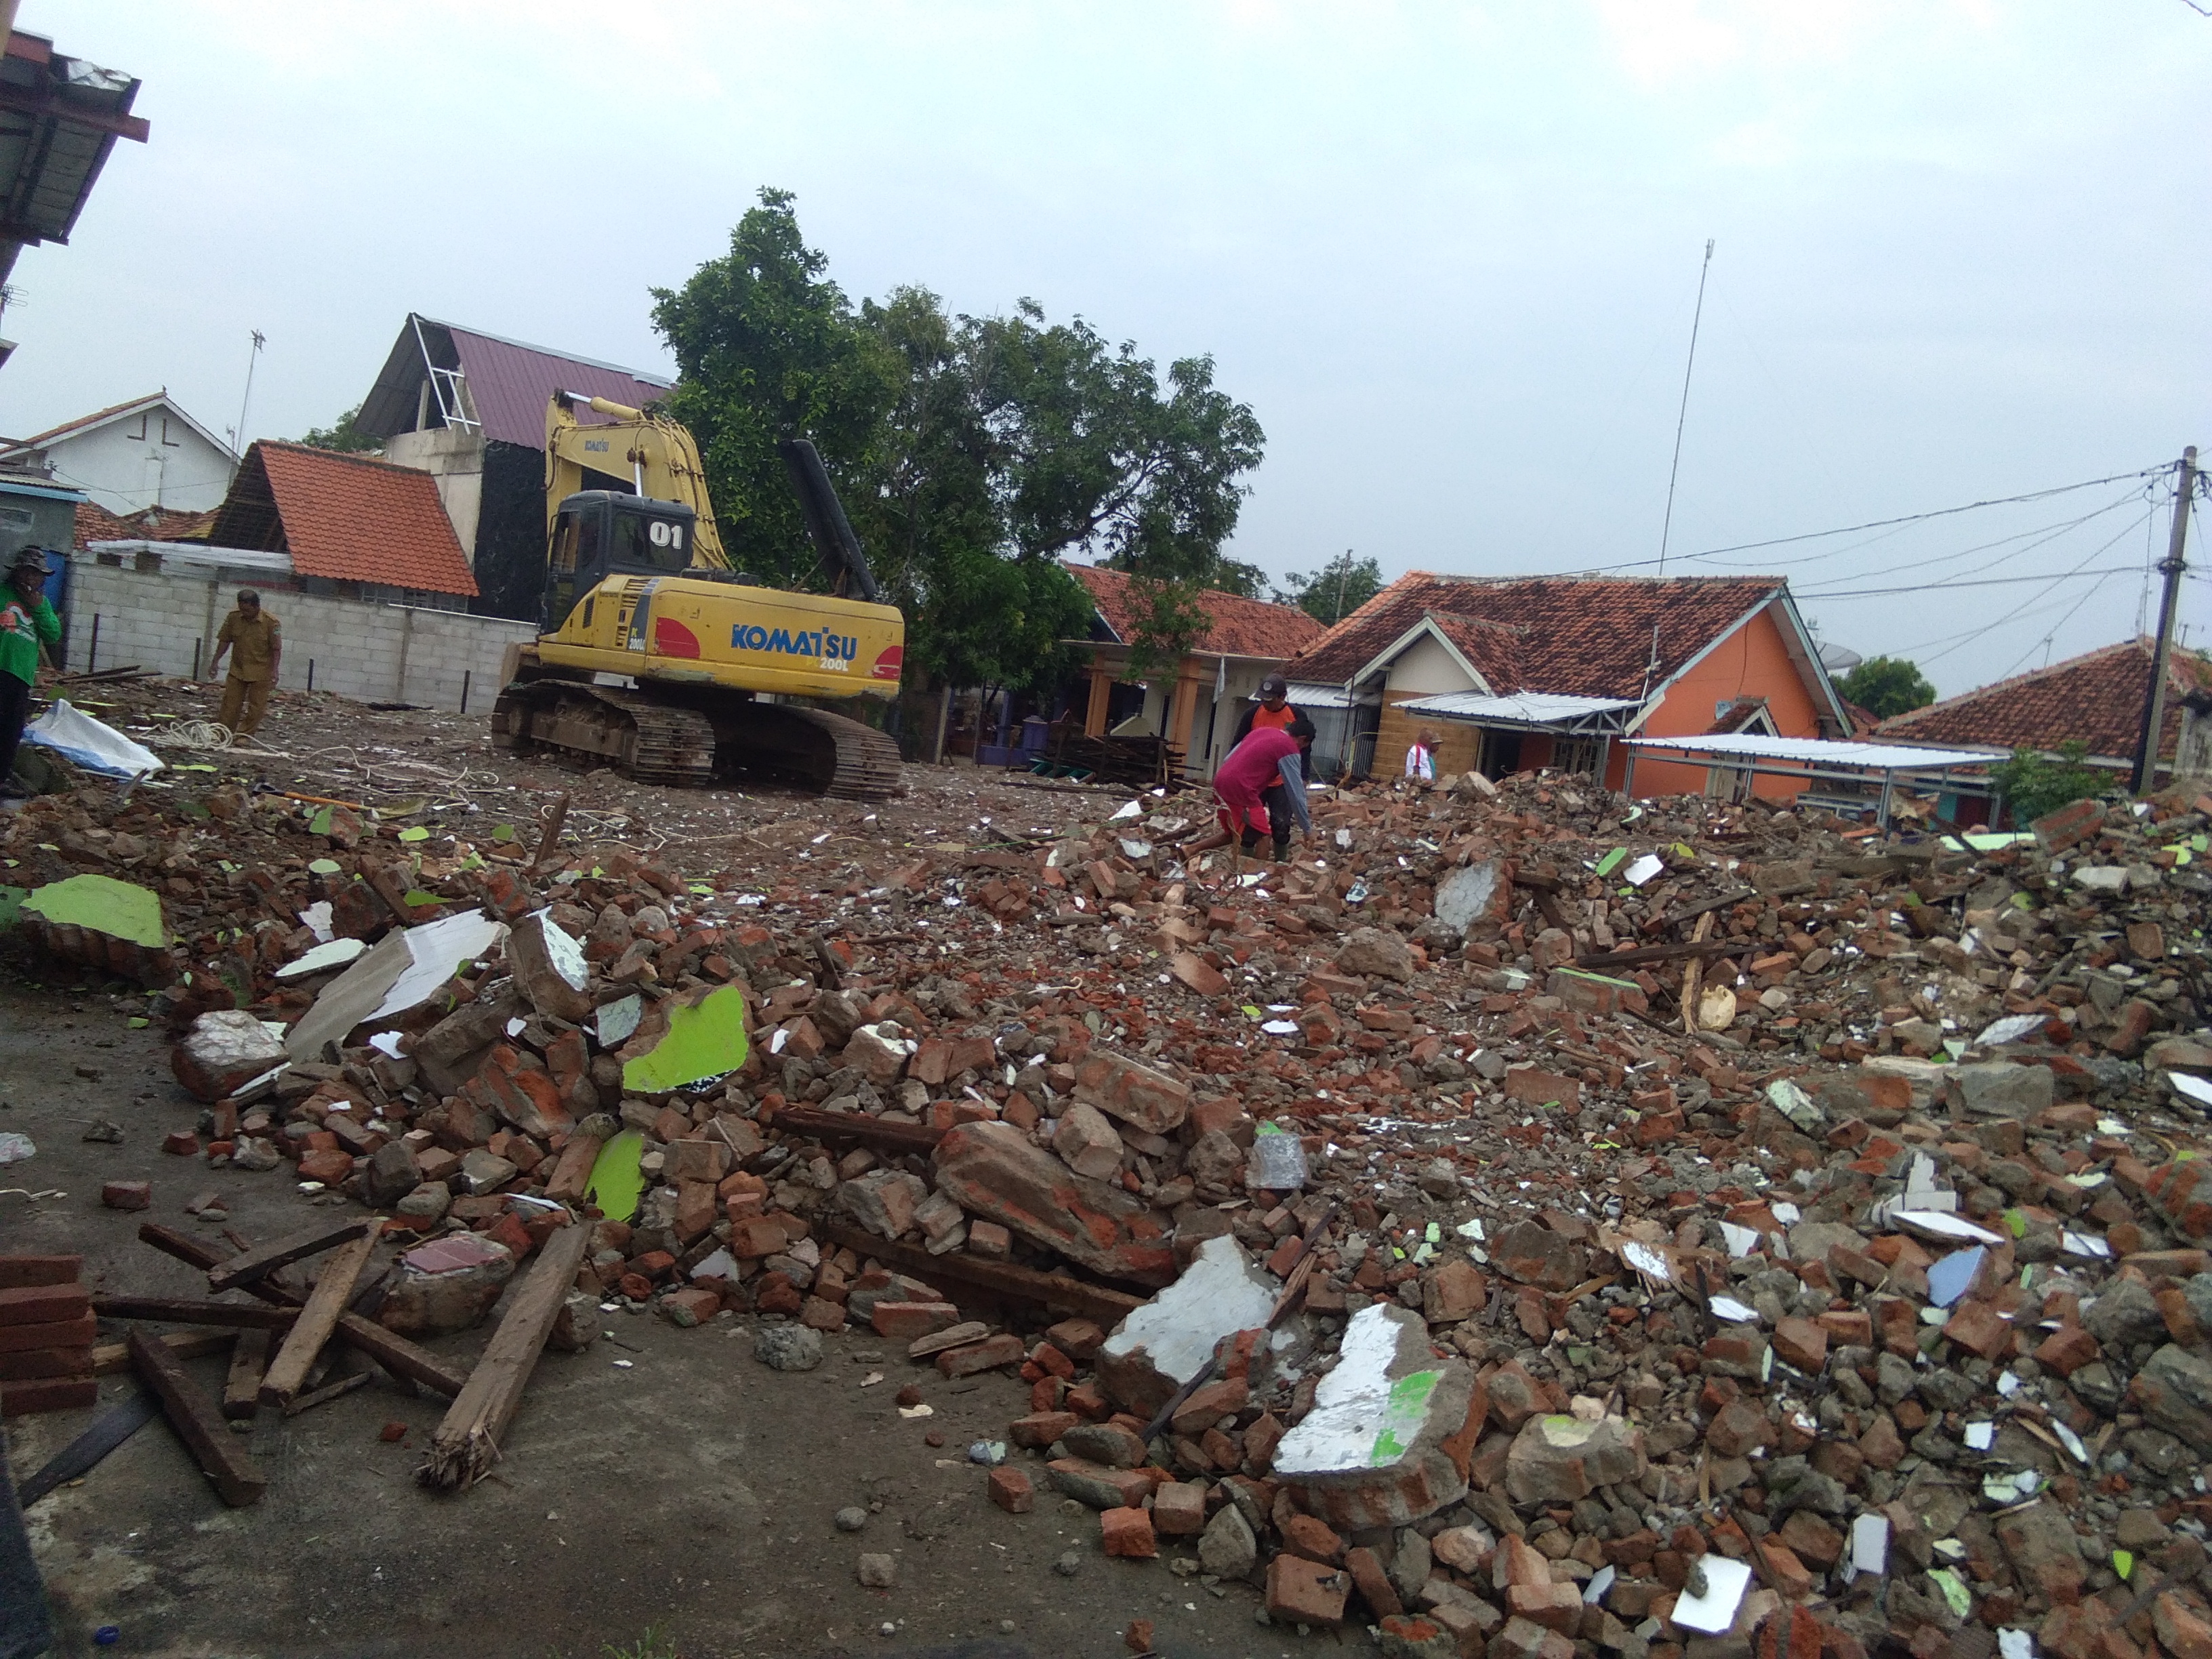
(96, 523)
(1238, 627)
(343, 517)
(2096, 698)
(1573, 636)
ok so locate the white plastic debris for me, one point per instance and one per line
(1642, 870)
(1714, 1610)
(1870, 1544)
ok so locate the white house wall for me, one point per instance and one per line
(1426, 668)
(454, 457)
(126, 473)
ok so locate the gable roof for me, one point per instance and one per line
(505, 383)
(1575, 635)
(94, 523)
(1236, 626)
(344, 517)
(107, 416)
(2096, 698)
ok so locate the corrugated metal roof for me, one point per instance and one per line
(1821, 751)
(505, 383)
(59, 117)
(1529, 708)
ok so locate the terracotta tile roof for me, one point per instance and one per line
(344, 517)
(1736, 717)
(97, 417)
(96, 523)
(2096, 698)
(1239, 626)
(1572, 636)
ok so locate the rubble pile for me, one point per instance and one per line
(1529, 1220)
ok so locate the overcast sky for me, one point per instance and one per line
(1449, 254)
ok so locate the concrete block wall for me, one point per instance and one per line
(357, 649)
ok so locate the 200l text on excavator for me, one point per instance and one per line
(653, 655)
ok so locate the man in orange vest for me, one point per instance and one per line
(1275, 712)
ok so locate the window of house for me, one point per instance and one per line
(1575, 755)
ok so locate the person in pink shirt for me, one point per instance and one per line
(1267, 757)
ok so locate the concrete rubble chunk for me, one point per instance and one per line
(1086, 1142)
(1162, 1345)
(994, 1170)
(1388, 1437)
(223, 1051)
(1558, 1459)
(1376, 953)
(1136, 1094)
(448, 1285)
(549, 967)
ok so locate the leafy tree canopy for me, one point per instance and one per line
(2034, 787)
(342, 435)
(1334, 592)
(972, 453)
(1886, 686)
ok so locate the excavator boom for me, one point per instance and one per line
(655, 456)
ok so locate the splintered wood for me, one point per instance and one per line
(466, 1444)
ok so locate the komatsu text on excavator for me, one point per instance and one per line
(654, 656)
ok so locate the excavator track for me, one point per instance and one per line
(685, 738)
(637, 734)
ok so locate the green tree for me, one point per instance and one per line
(1334, 592)
(768, 347)
(1886, 686)
(972, 453)
(344, 435)
(2034, 787)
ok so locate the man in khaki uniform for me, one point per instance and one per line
(257, 644)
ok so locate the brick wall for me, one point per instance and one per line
(166, 622)
(1458, 744)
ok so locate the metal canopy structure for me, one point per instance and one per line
(60, 118)
(1815, 759)
(1530, 711)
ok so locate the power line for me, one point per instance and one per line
(1884, 523)
(1991, 627)
(1986, 581)
(2047, 533)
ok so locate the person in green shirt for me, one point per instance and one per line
(26, 619)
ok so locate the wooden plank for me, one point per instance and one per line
(245, 1269)
(109, 1429)
(241, 1389)
(1057, 1291)
(287, 1371)
(395, 1354)
(109, 1358)
(466, 1443)
(190, 1310)
(345, 1384)
(858, 1127)
(1641, 953)
(221, 1454)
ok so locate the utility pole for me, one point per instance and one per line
(2184, 486)
(243, 402)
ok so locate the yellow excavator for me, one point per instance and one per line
(653, 655)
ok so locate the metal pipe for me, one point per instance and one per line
(92, 652)
(464, 691)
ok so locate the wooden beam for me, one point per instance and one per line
(856, 1125)
(109, 1358)
(395, 1354)
(109, 1429)
(466, 1444)
(287, 1371)
(249, 1359)
(1056, 1291)
(188, 1310)
(1711, 947)
(221, 1454)
(254, 1264)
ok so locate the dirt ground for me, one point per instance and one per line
(661, 1481)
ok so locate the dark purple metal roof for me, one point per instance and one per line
(508, 384)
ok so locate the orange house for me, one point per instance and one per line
(1509, 675)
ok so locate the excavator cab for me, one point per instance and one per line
(598, 533)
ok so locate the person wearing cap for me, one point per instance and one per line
(1421, 758)
(26, 620)
(1274, 711)
(257, 642)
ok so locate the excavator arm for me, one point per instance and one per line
(656, 455)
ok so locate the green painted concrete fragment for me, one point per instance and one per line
(1611, 861)
(1402, 1416)
(11, 904)
(703, 1042)
(617, 1183)
(117, 908)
